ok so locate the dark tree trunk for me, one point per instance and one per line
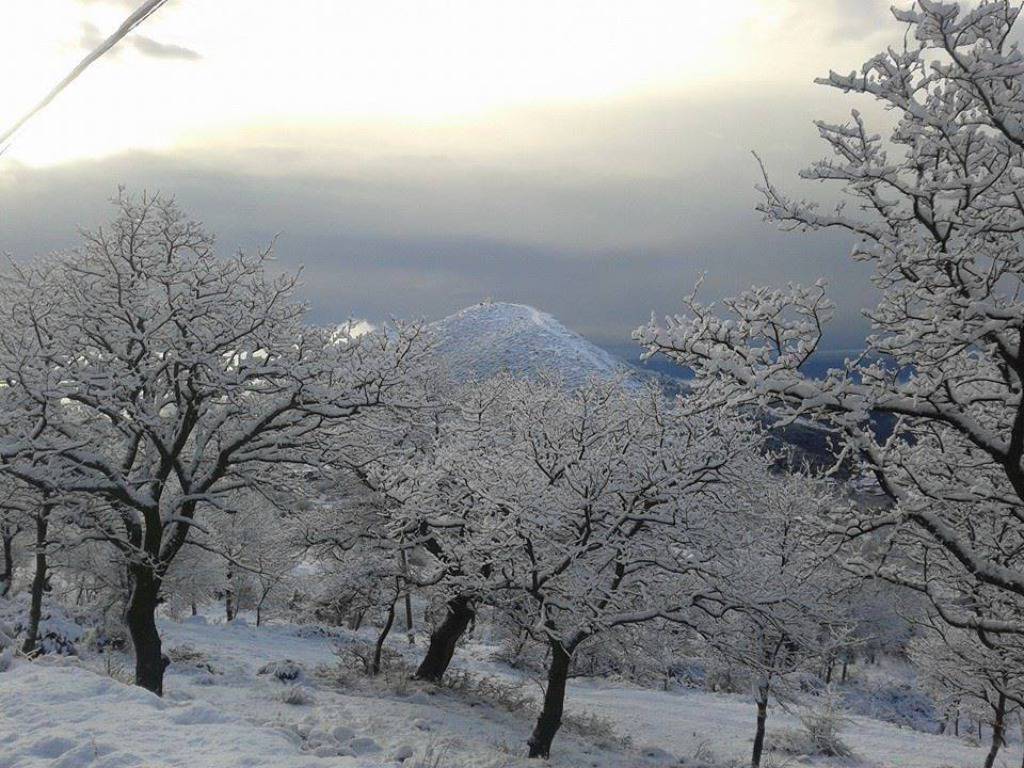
(140, 618)
(230, 604)
(39, 582)
(378, 649)
(998, 728)
(7, 574)
(444, 638)
(409, 633)
(550, 719)
(264, 594)
(762, 717)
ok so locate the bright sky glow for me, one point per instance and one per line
(306, 62)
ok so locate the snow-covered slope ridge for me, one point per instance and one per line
(489, 338)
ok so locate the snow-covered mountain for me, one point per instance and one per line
(489, 338)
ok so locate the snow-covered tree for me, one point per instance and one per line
(40, 515)
(157, 378)
(24, 507)
(428, 496)
(936, 209)
(14, 510)
(579, 512)
(791, 603)
(192, 581)
(254, 544)
(968, 678)
(346, 523)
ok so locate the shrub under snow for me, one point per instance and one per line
(59, 631)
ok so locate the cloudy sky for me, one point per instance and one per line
(589, 157)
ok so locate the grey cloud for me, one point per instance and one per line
(147, 46)
(357, 264)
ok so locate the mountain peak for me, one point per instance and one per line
(491, 337)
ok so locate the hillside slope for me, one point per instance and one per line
(221, 712)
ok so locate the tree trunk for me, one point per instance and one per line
(264, 594)
(444, 638)
(998, 726)
(39, 581)
(1022, 739)
(409, 634)
(762, 717)
(378, 649)
(550, 719)
(7, 574)
(140, 618)
(230, 605)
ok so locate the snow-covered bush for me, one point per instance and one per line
(599, 730)
(283, 670)
(820, 733)
(59, 631)
(191, 658)
(298, 696)
(354, 670)
(359, 656)
(511, 695)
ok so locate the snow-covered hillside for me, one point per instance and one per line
(489, 338)
(220, 711)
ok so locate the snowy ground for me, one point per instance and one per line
(219, 712)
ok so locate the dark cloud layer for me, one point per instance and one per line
(389, 246)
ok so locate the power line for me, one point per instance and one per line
(144, 11)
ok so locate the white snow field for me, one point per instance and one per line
(219, 712)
